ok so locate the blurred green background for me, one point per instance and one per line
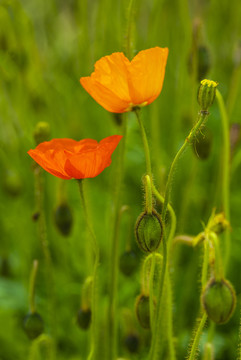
(45, 47)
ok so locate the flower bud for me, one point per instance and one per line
(41, 132)
(63, 218)
(128, 263)
(132, 343)
(33, 325)
(219, 224)
(84, 318)
(12, 183)
(149, 231)
(206, 93)
(219, 300)
(142, 308)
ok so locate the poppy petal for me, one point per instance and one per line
(108, 84)
(146, 73)
(92, 162)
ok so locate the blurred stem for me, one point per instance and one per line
(32, 286)
(225, 175)
(112, 352)
(128, 40)
(202, 116)
(154, 351)
(94, 300)
(148, 194)
(196, 339)
(145, 144)
(233, 89)
(37, 346)
(151, 283)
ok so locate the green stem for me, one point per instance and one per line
(151, 282)
(154, 351)
(202, 116)
(225, 175)
(148, 194)
(128, 42)
(198, 333)
(145, 144)
(32, 286)
(205, 263)
(94, 301)
(218, 268)
(112, 323)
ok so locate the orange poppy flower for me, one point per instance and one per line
(70, 159)
(118, 84)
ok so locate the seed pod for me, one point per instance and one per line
(84, 318)
(132, 343)
(63, 218)
(142, 308)
(219, 300)
(41, 132)
(149, 231)
(128, 263)
(33, 325)
(206, 93)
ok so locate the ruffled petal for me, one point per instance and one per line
(92, 162)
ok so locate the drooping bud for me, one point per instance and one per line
(63, 218)
(41, 132)
(84, 318)
(132, 343)
(142, 308)
(206, 93)
(128, 263)
(219, 300)
(149, 231)
(33, 325)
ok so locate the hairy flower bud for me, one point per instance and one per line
(149, 231)
(84, 318)
(142, 308)
(33, 325)
(206, 93)
(219, 300)
(128, 263)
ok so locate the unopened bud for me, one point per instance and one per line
(219, 223)
(219, 300)
(41, 132)
(84, 318)
(33, 325)
(149, 231)
(128, 263)
(206, 93)
(63, 218)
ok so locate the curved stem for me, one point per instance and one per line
(32, 286)
(202, 116)
(226, 175)
(94, 301)
(198, 333)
